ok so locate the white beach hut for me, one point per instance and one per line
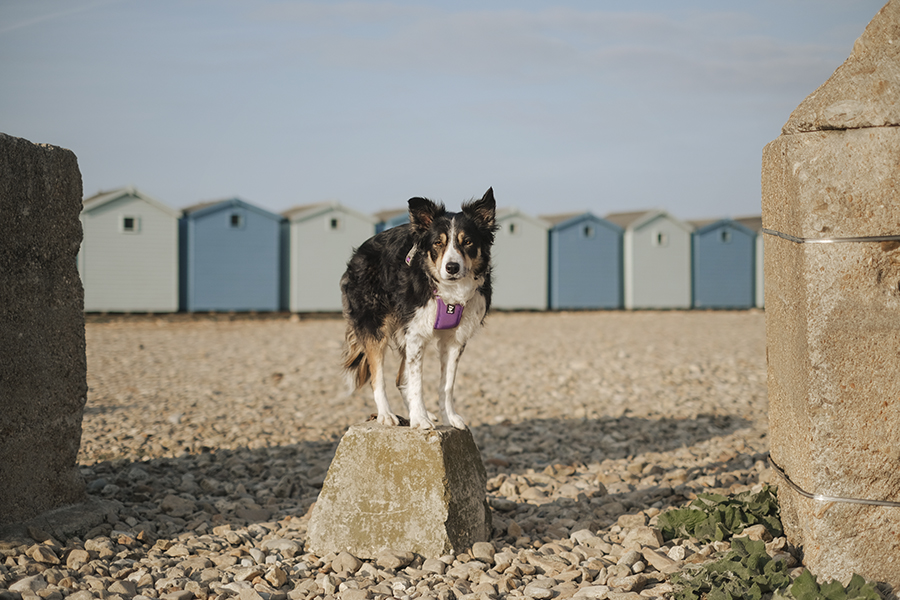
(519, 273)
(128, 259)
(656, 259)
(320, 240)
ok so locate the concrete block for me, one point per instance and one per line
(828, 184)
(832, 326)
(863, 91)
(402, 489)
(43, 369)
(833, 342)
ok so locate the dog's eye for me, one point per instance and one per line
(467, 243)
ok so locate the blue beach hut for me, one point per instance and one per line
(230, 257)
(585, 262)
(723, 264)
(754, 224)
(388, 219)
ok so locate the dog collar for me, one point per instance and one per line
(448, 315)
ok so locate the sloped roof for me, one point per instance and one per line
(309, 211)
(390, 213)
(753, 222)
(561, 218)
(710, 224)
(635, 220)
(203, 208)
(562, 221)
(510, 212)
(102, 198)
(624, 219)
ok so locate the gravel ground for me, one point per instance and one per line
(209, 439)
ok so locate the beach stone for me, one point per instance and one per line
(594, 592)
(483, 551)
(346, 562)
(538, 590)
(177, 506)
(402, 488)
(643, 536)
(287, 548)
(32, 584)
(832, 331)
(43, 389)
(123, 587)
(434, 565)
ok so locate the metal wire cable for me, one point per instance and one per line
(837, 240)
(824, 498)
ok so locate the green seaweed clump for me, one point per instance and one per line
(713, 517)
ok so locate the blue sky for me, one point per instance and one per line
(560, 106)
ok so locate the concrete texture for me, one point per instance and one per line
(402, 489)
(863, 91)
(42, 362)
(832, 326)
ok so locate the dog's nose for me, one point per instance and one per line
(452, 268)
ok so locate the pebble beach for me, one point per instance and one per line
(208, 438)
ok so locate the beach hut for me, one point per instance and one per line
(723, 264)
(229, 257)
(585, 262)
(656, 259)
(128, 259)
(320, 239)
(754, 224)
(388, 219)
(519, 259)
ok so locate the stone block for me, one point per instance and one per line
(832, 326)
(402, 489)
(863, 91)
(43, 384)
(828, 184)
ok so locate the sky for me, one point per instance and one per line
(571, 106)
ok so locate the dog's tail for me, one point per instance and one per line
(356, 364)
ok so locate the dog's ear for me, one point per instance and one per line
(423, 212)
(483, 211)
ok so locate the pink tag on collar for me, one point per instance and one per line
(448, 315)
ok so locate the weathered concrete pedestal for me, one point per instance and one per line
(831, 207)
(402, 489)
(43, 369)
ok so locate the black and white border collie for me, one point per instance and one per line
(425, 280)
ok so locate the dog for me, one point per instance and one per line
(429, 279)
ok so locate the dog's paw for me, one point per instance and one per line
(420, 422)
(456, 421)
(388, 419)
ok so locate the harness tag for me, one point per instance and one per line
(448, 315)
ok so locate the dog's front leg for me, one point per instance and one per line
(451, 351)
(418, 416)
(376, 364)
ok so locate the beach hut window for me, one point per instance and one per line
(725, 236)
(588, 231)
(334, 224)
(236, 220)
(513, 230)
(660, 239)
(130, 224)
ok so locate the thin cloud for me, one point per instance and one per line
(52, 16)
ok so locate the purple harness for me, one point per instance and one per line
(448, 315)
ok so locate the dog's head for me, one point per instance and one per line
(457, 245)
